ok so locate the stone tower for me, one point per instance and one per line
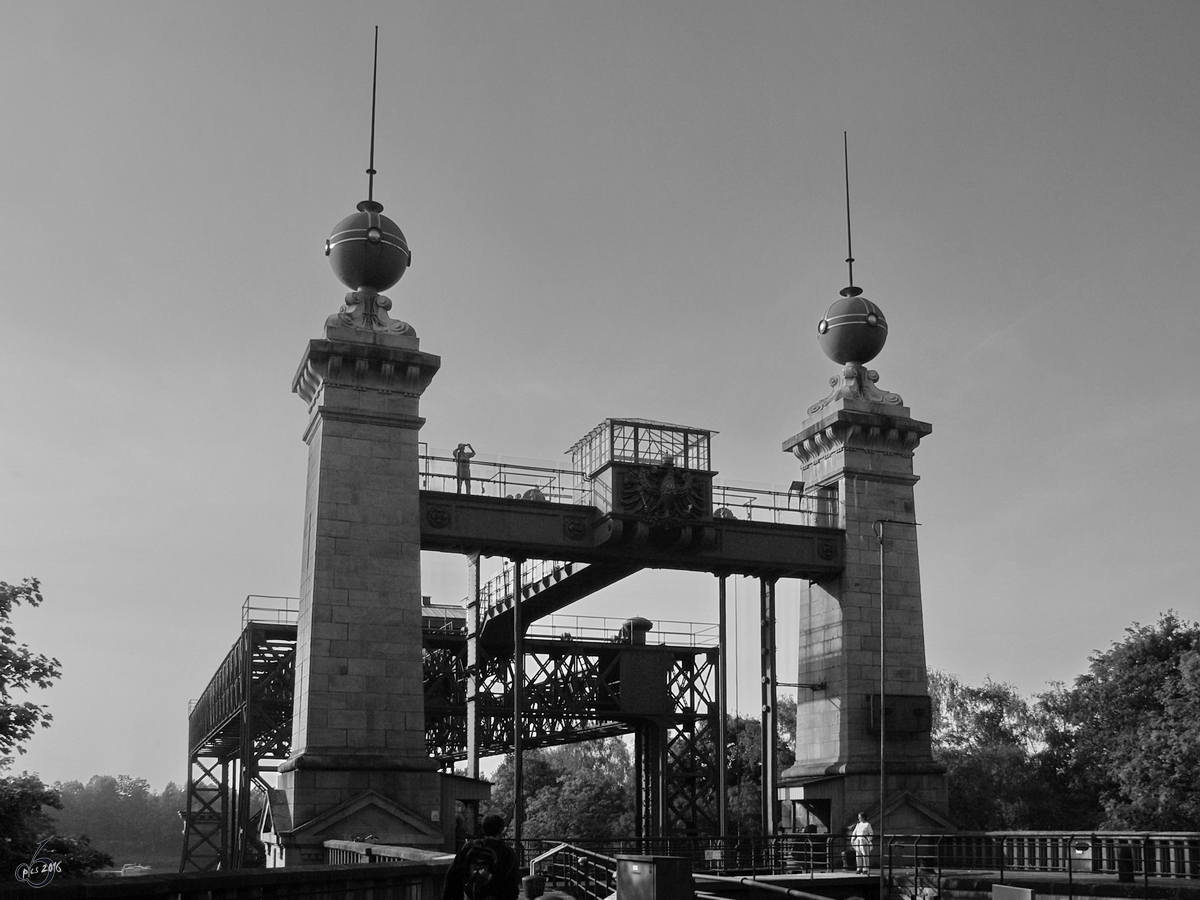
(358, 762)
(856, 453)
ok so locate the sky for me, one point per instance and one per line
(615, 209)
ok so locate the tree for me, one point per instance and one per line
(988, 738)
(20, 670)
(123, 816)
(24, 824)
(582, 791)
(586, 790)
(1129, 730)
(743, 755)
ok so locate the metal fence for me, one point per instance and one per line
(1132, 856)
(526, 479)
(585, 874)
(744, 855)
(504, 476)
(608, 628)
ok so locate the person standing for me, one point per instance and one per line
(463, 454)
(860, 840)
(484, 869)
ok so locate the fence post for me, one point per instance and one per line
(1125, 866)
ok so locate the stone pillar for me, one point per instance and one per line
(358, 762)
(858, 450)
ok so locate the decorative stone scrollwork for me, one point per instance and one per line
(826, 550)
(575, 529)
(367, 309)
(856, 383)
(438, 517)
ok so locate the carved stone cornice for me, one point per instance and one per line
(846, 429)
(362, 366)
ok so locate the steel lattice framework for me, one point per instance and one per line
(576, 690)
(241, 721)
(581, 690)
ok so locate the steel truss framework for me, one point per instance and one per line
(241, 721)
(576, 691)
(582, 690)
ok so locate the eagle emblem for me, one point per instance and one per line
(664, 493)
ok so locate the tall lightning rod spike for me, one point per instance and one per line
(374, 83)
(849, 245)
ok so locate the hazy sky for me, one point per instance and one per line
(615, 209)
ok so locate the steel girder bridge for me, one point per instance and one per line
(639, 495)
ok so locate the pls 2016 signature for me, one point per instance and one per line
(40, 870)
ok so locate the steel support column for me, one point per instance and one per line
(473, 679)
(770, 718)
(518, 693)
(722, 715)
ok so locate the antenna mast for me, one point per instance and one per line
(374, 82)
(849, 246)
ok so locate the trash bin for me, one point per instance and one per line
(1081, 856)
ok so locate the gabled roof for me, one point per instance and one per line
(372, 812)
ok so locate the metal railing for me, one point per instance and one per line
(525, 479)
(608, 629)
(770, 503)
(1136, 854)
(732, 854)
(270, 610)
(496, 593)
(1132, 856)
(504, 476)
(588, 875)
(363, 852)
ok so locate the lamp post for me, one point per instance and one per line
(879, 533)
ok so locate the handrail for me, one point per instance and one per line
(757, 885)
(270, 610)
(583, 870)
(543, 481)
(549, 853)
(1142, 855)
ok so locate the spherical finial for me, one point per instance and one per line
(853, 330)
(367, 249)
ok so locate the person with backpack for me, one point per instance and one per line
(486, 868)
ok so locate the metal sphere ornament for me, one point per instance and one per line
(853, 330)
(367, 249)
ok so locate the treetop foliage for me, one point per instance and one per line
(586, 790)
(123, 816)
(1120, 749)
(580, 790)
(20, 670)
(1135, 717)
